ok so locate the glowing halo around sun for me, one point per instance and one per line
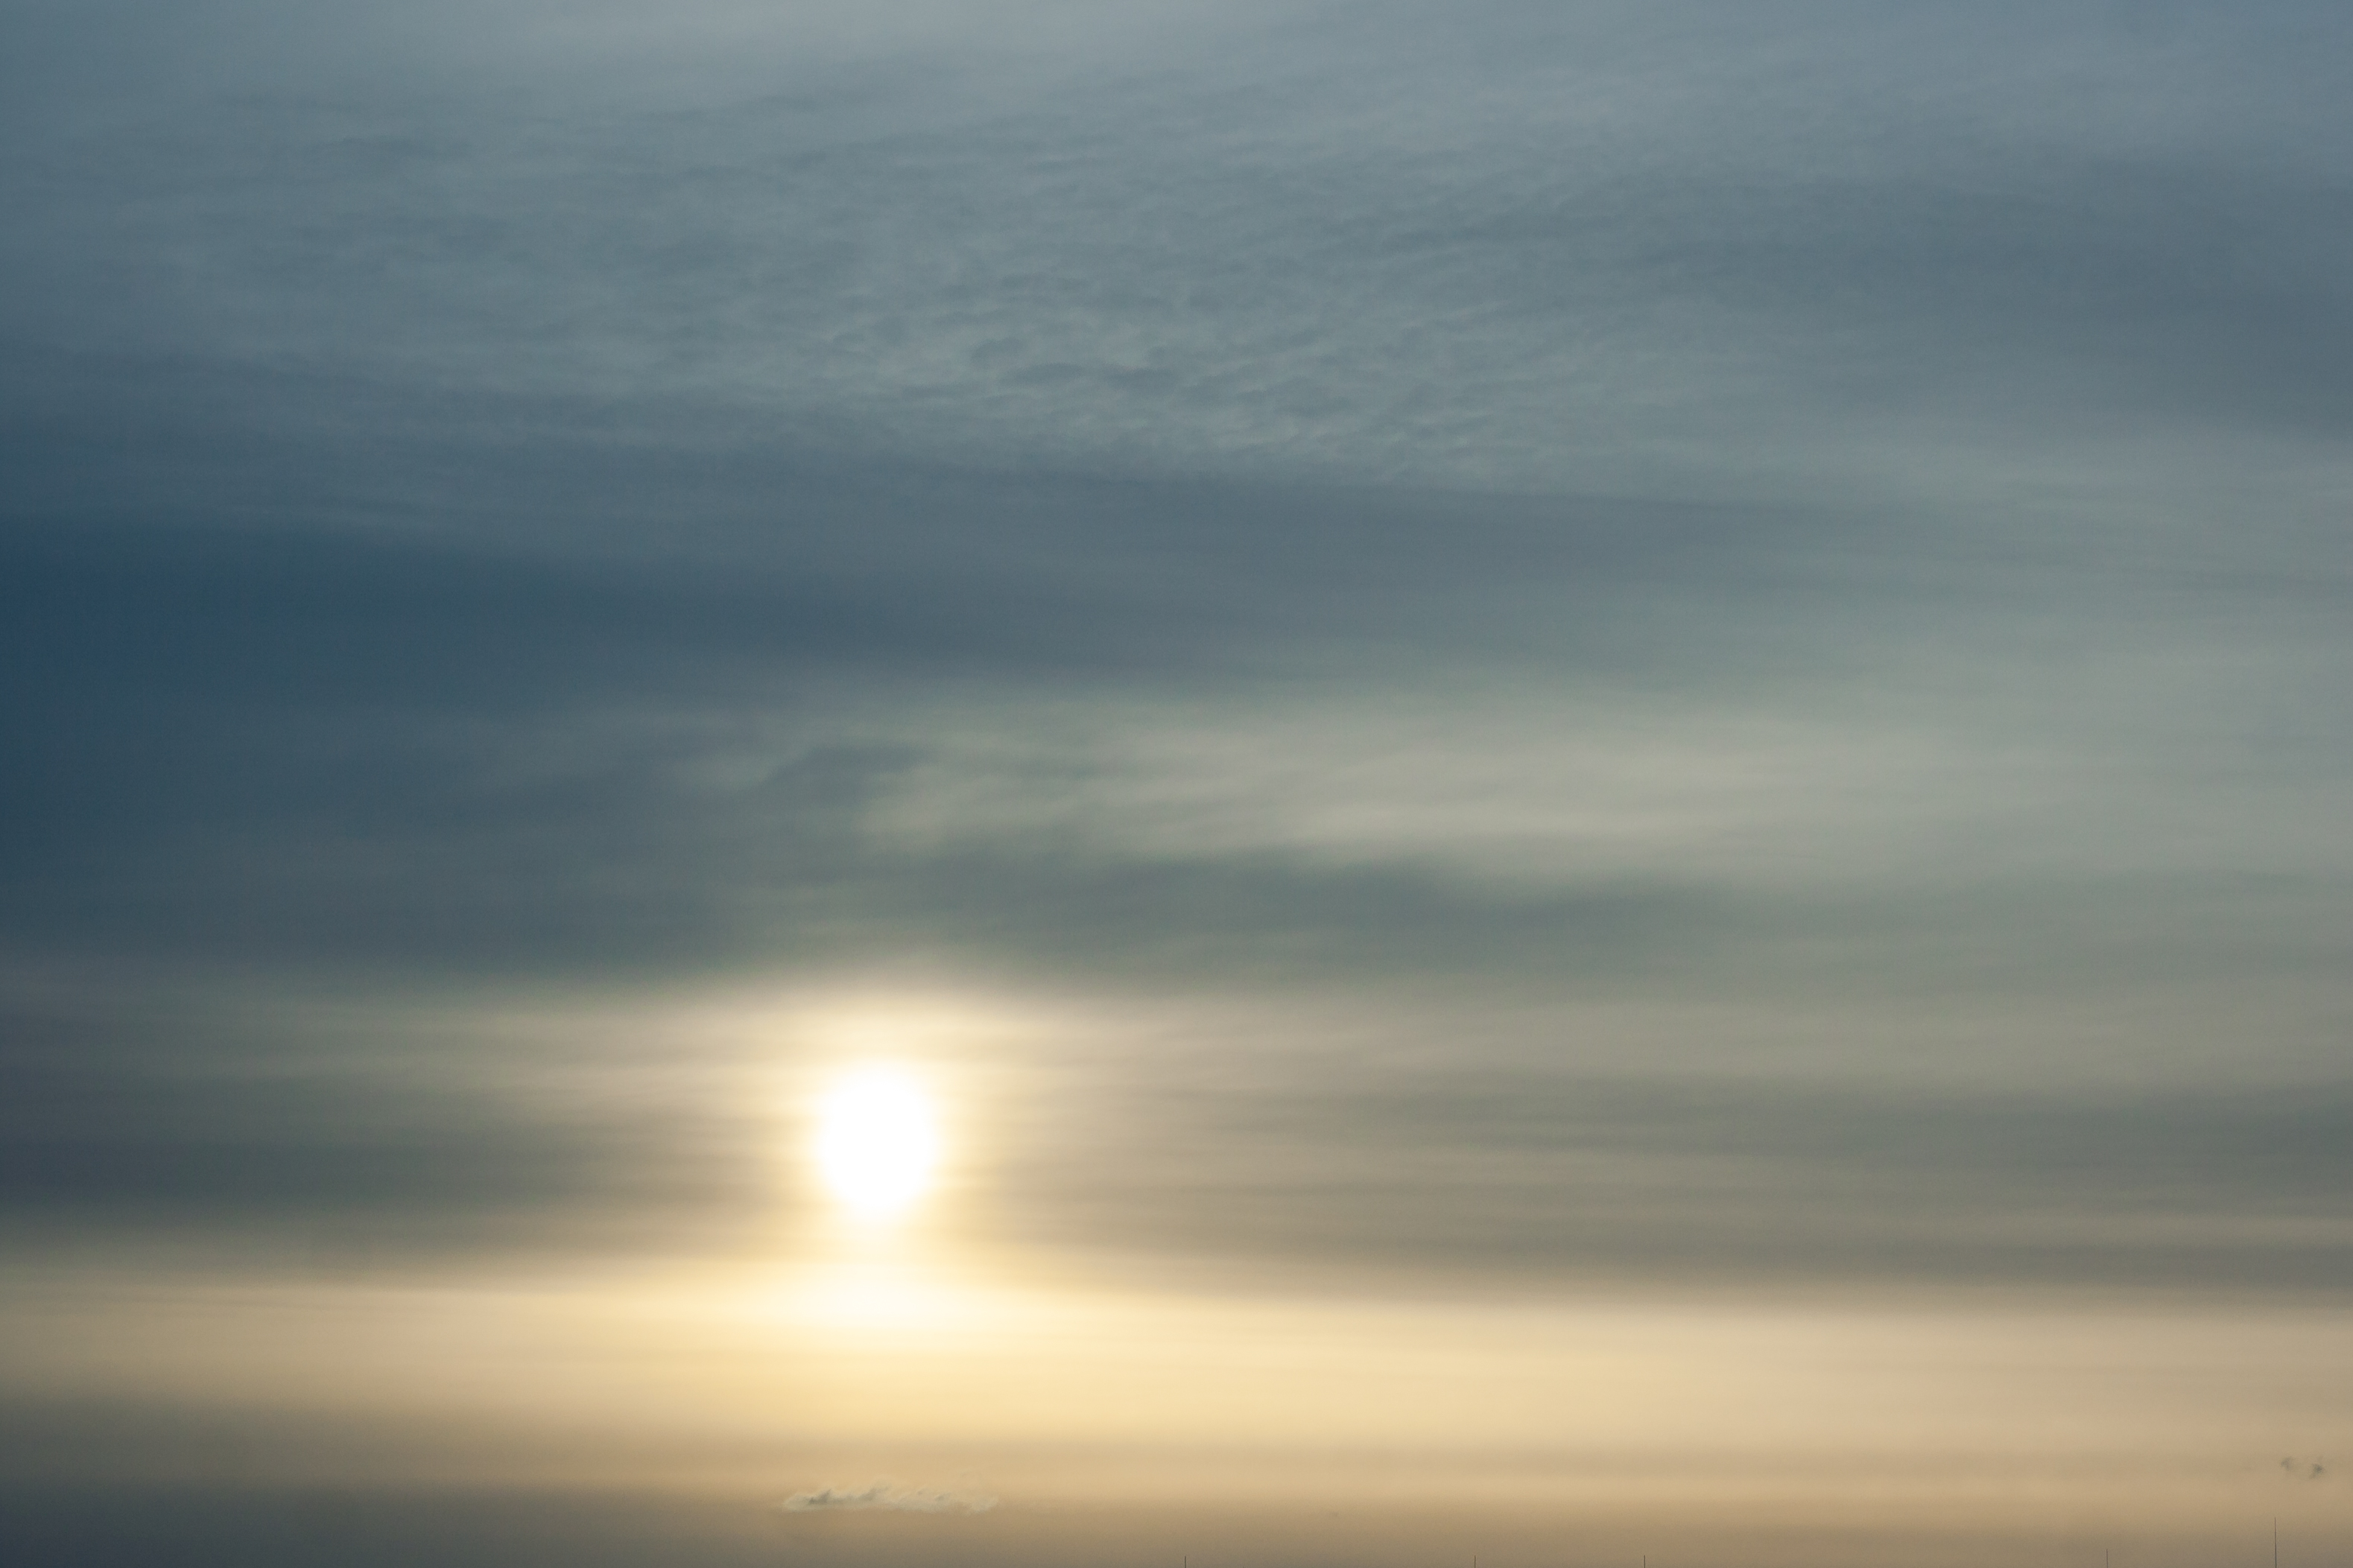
(878, 1142)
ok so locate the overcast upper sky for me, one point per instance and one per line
(1504, 655)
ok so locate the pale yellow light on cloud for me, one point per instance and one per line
(802, 1355)
(717, 1377)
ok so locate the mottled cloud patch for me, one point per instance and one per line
(890, 1497)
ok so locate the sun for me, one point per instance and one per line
(878, 1141)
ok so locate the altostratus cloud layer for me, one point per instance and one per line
(1557, 648)
(1798, 549)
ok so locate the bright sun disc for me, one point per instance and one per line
(876, 1142)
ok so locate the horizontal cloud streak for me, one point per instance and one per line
(889, 1497)
(1573, 1143)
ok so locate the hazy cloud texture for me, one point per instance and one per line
(1542, 647)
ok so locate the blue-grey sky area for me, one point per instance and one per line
(1508, 653)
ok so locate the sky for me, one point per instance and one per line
(1581, 767)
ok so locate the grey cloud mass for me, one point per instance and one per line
(1639, 645)
(1636, 497)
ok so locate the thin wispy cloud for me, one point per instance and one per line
(889, 1497)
